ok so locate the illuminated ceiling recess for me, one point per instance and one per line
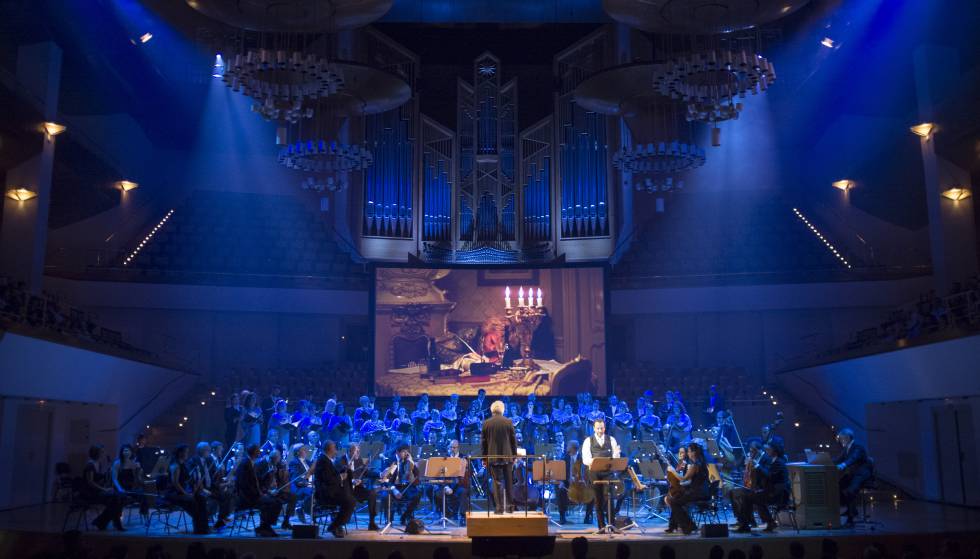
(300, 82)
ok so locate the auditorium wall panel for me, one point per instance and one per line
(842, 393)
(108, 397)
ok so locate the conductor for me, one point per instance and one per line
(499, 439)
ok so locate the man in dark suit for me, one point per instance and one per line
(772, 478)
(251, 494)
(855, 467)
(331, 489)
(499, 438)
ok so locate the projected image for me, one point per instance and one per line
(509, 332)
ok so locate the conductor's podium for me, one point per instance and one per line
(513, 524)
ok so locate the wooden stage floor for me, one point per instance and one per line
(26, 531)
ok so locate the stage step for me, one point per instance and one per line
(481, 525)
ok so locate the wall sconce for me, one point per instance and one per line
(923, 130)
(843, 184)
(52, 129)
(20, 194)
(126, 186)
(957, 193)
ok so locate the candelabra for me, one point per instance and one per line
(525, 318)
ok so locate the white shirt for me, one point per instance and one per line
(587, 448)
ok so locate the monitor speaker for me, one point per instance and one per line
(714, 530)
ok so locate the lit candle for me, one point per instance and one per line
(507, 297)
(539, 297)
(520, 296)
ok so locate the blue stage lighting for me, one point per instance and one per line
(219, 66)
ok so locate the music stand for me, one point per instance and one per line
(549, 472)
(654, 470)
(614, 466)
(440, 470)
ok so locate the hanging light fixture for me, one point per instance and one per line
(957, 193)
(20, 194)
(923, 130)
(126, 186)
(52, 129)
(843, 184)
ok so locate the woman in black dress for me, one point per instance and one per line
(127, 478)
(97, 488)
(184, 490)
(694, 488)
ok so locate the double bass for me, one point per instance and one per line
(579, 490)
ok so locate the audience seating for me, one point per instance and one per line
(230, 234)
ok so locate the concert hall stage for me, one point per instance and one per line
(26, 531)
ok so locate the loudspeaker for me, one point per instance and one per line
(305, 531)
(714, 530)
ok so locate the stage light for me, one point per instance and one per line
(145, 37)
(796, 424)
(218, 70)
(843, 184)
(185, 419)
(957, 193)
(202, 402)
(20, 194)
(126, 186)
(52, 129)
(180, 425)
(827, 42)
(213, 393)
(923, 130)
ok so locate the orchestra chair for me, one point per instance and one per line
(243, 519)
(707, 510)
(788, 509)
(323, 515)
(866, 494)
(78, 507)
(163, 509)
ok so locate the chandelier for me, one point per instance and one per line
(328, 161)
(654, 165)
(709, 82)
(283, 83)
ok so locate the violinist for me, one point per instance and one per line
(599, 445)
(770, 486)
(694, 483)
(96, 488)
(250, 493)
(203, 470)
(331, 489)
(276, 483)
(754, 455)
(300, 472)
(127, 478)
(575, 488)
(459, 495)
(313, 444)
(358, 472)
(403, 476)
(184, 490)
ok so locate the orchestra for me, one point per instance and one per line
(327, 458)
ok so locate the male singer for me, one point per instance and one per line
(599, 445)
(500, 440)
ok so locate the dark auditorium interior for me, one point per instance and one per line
(292, 279)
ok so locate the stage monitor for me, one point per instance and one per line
(512, 331)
